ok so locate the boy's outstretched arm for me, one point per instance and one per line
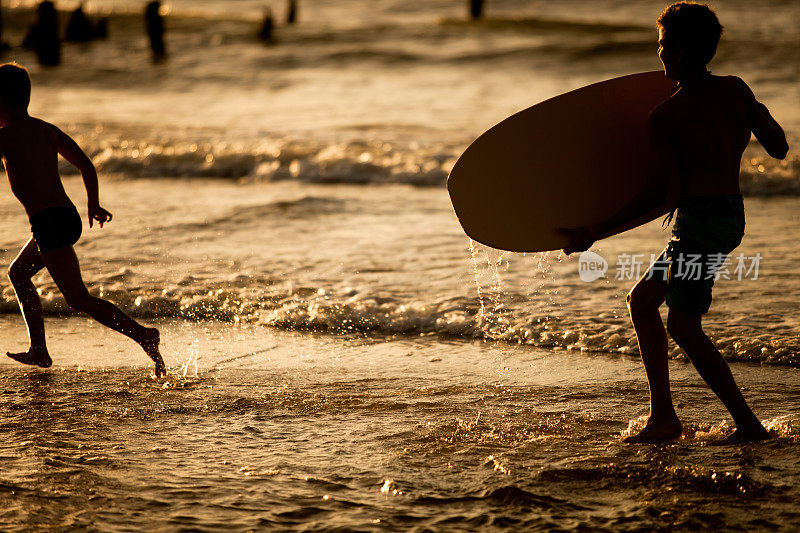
(70, 151)
(766, 129)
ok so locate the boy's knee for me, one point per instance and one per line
(17, 273)
(674, 329)
(642, 299)
(684, 331)
(77, 302)
(629, 298)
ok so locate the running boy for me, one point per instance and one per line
(29, 148)
(706, 126)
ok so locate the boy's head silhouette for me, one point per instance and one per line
(692, 31)
(15, 87)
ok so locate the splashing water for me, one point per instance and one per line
(189, 366)
(493, 315)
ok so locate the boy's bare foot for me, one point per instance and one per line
(745, 435)
(149, 343)
(33, 357)
(657, 431)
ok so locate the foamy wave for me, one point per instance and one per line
(252, 300)
(355, 162)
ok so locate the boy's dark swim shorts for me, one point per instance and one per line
(706, 230)
(56, 227)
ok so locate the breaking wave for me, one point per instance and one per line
(354, 162)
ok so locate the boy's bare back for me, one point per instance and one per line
(30, 149)
(708, 124)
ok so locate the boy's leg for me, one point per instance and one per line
(65, 270)
(687, 331)
(27, 263)
(643, 302)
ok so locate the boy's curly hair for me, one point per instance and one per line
(15, 86)
(694, 28)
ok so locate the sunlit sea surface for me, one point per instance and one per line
(341, 355)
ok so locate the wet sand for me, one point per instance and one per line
(261, 429)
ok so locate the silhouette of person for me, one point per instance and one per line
(43, 35)
(3, 45)
(79, 27)
(291, 12)
(267, 26)
(30, 148)
(155, 30)
(475, 9)
(101, 28)
(705, 126)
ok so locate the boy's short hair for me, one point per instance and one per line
(694, 28)
(15, 86)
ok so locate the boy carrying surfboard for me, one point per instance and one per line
(705, 125)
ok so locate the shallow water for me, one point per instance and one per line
(392, 259)
(292, 431)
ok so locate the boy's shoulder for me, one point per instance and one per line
(29, 122)
(735, 83)
(41, 127)
(728, 87)
(43, 124)
(744, 91)
(26, 131)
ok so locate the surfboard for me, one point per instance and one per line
(570, 161)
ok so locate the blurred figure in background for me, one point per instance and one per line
(155, 30)
(3, 45)
(291, 12)
(265, 33)
(475, 9)
(79, 27)
(43, 35)
(101, 29)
